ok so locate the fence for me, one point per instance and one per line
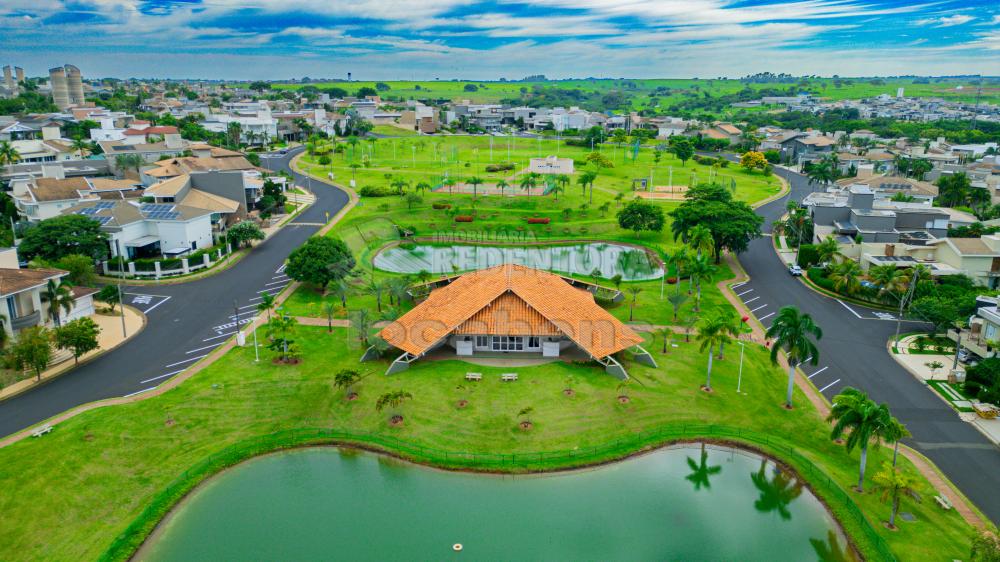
(867, 541)
(168, 267)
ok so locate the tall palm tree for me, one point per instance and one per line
(59, 295)
(794, 332)
(502, 185)
(866, 421)
(828, 250)
(677, 300)
(80, 145)
(376, 289)
(896, 433)
(711, 333)
(267, 302)
(563, 180)
(339, 289)
(449, 182)
(475, 182)
(777, 493)
(400, 185)
(846, 277)
(553, 186)
(699, 239)
(353, 142)
(701, 472)
(528, 182)
(890, 279)
(679, 260)
(634, 291)
(699, 269)
(421, 187)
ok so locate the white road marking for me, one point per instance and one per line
(142, 299)
(285, 282)
(272, 294)
(807, 359)
(738, 285)
(214, 345)
(744, 292)
(218, 336)
(228, 325)
(818, 372)
(248, 306)
(758, 308)
(140, 392)
(762, 318)
(150, 309)
(187, 360)
(281, 269)
(161, 376)
(849, 308)
(280, 276)
(748, 301)
(829, 385)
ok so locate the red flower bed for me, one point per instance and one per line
(538, 220)
(463, 218)
(671, 280)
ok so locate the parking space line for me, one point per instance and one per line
(768, 315)
(748, 301)
(187, 360)
(849, 308)
(150, 309)
(218, 336)
(744, 292)
(161, 376)
(248, 306)
(214, 345)
(829, 385)
(807, 359)
(818, 372)
(758, 308)
(140, 391)
(285, 281)
(280, 276)
(738, 285)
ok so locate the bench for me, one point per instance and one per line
(508, 377)
(944, 502)
(473, 376)
(41, 430)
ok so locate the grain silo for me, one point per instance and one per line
(8, 79)
(19, 74)
(74, 85)
(60, 93)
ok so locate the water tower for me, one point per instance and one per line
(60, 93)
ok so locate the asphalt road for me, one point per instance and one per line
(853, 353)
(185, 322)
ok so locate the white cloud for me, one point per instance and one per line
(946, 21)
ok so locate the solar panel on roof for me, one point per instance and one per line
(104, 205)
(103, 220)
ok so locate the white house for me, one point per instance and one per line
(149, 229)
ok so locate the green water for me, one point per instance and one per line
(328, 504)
(581, 259)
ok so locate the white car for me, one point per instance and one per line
(795, 270)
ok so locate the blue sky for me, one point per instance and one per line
(427, 39)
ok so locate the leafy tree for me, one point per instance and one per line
(684, 150)
(59, 296)
(79, 336)
(954, 190)
(109, 295)
(599, 160)
(863, 420)
(32, 350)
(733, 224)
(470, 88)
(412, 199)
(794, 332)
(365, 91)
(320, 260)
(244, 233)
(638, 216)
(58, 237)
(753, 160)
(985, 547)
(80, 268)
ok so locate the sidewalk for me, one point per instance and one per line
(109, 338)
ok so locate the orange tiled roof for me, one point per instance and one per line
(508, 315)
(474, 300)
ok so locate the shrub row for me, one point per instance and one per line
(501, 167)
(373, 191)
(440, 206)
(463, 218)
(709, 161)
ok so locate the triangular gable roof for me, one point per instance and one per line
(571, 310)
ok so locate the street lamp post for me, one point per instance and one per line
(739, 379)
(121, 276)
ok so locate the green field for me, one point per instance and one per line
(68, 494)
(641, 90)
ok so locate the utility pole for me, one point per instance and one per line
(739, 379)
(121, 276)
(902, 302)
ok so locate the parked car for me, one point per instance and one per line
(795, 270)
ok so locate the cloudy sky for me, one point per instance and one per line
(427, 39)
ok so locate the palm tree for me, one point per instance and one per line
(266, 303)
(528, 182)
(794, 332)
(450, 182)
(867, 421)
(563, 181)
(699, 239)
(8, 154)
(421, 187)
(585, 179)
(400, 185)
(553, 186)
(79, 145)
(634, 291)
(502, 185)
(677, 300)
(701, 472)
(846, 277)
(393, 400)
(827, 250)
(775, 494)
(233, 132)
(353, 142)
(679, 260)
(475, 182)
(361, 322)
(59, 295)
(376, 289)
(896, 433)
(895, 483)
(699, 269)
(339, 289)
(890, 279)
(711, 333)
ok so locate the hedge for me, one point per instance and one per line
(440, 206)
(808, 255)
(538, 220)
(373, 191)
(463, 218)
(501, 167)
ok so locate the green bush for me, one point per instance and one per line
(373, 191)
(818, 276)
(501, 167)
(808, 256)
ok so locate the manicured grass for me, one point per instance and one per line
(393, 131)
(68, 494)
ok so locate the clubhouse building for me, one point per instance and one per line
(512, 309)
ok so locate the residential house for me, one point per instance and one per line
(46, 197)
(806, 148)
(138, 230)
(49, 150)
(21, 291)
(222, 193)
(171, 145)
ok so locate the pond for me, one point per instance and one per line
(633, 264)
(686, 502)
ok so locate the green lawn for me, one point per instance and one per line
(68, 494)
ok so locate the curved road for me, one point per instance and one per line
(853, 353)
(185, 322)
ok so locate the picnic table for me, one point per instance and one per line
(508, 377)
(473, 376)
